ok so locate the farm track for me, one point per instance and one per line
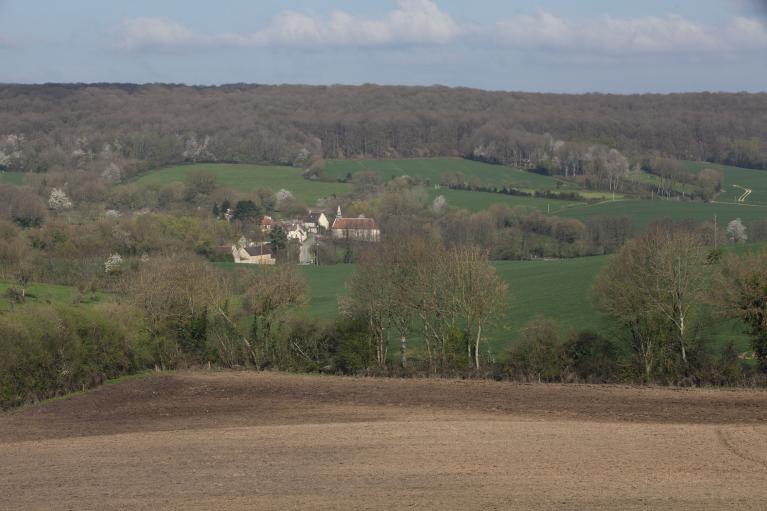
(746, 192)
(272, 441)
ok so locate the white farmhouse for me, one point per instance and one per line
(253, 254)
(316, 221)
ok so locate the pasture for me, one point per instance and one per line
(248, 178)
(479, 201)
(49, 294)
(644, 212)
(432, 169)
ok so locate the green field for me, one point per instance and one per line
(49, 293)
(735, 179)
(478, 201)
(644, 212)
(559, 290)
(11, 178)
(248, 178)
(432, 169)
(556, 289)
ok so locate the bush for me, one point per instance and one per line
(51, 350)
(591, 358)
(538, 356)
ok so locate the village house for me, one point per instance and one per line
(355, 229)
(255, 253)
(316, 221)
(295, 231)
(266, 224)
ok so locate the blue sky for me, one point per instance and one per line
(554, 45)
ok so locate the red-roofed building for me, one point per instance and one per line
(355, 229)
(266, 223)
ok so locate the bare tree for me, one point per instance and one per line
(658, 277)
(478, 294)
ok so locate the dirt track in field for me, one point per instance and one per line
(271, 441)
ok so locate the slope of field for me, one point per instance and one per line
(11, 178)
(643, 212)
(735, 180)
(271, 441)
(432, 169)
(247, 178)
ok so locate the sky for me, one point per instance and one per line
(522, 45)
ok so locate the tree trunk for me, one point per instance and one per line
(476, 345)
(402, 348)
(681, 338)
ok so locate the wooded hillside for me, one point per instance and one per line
(62, 127)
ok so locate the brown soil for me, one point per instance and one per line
(272, 441)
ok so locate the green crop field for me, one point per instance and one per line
(478, 201)
(432, 169)
(644, 212)
(735, 180)
(11, 178)
(247, 178)
(556, 289)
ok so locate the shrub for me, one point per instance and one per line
(51, 350)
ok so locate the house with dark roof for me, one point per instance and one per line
(316, 221)
(355, 229)
(260, 253)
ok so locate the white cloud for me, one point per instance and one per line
(606, 34)
(146, 33)
(422, 22)
(412, 22)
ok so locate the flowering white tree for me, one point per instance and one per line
(112, 173)
(58, 200)
(439, 204)
(283, 195)
(736, 231)
(113, 264)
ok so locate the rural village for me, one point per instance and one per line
(306, 233)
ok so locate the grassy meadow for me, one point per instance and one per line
(50, 293)
(247, 178)
(432, 169)
(478, 201)
(643, 212)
